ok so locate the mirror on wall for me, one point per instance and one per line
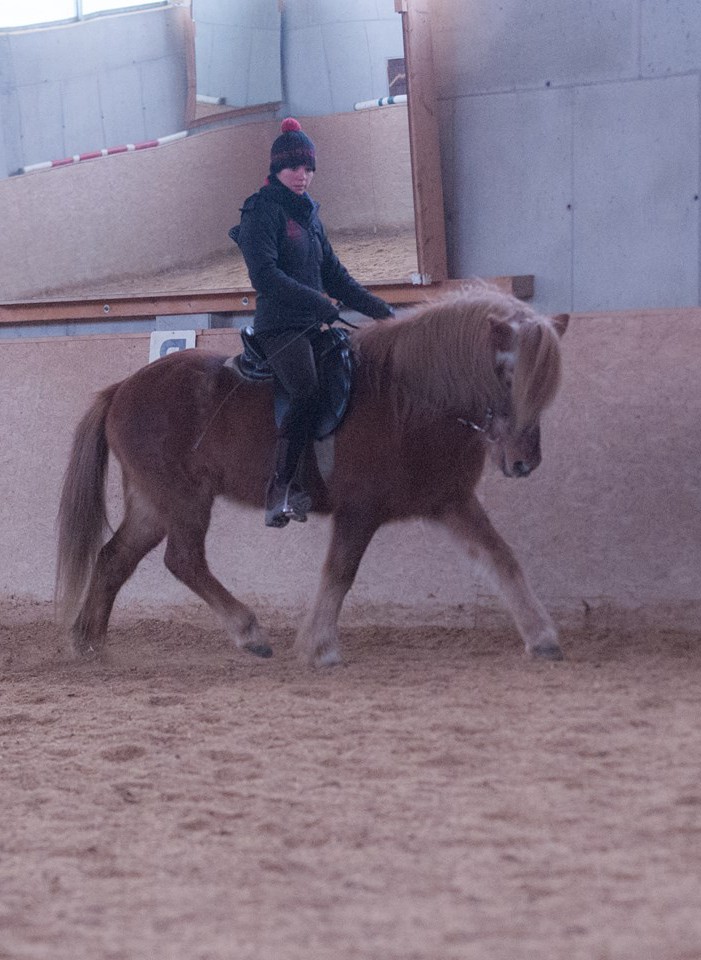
(361, 76)
(342, 69)
(342, 63)
(154, 223)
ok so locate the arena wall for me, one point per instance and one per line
(137, 213)
(610, 522)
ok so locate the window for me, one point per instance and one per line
(88, 7)
(396, 77)
(32, 12)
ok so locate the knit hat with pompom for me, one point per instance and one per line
(293, 148)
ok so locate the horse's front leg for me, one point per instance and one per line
(317, 638)
(472, 527)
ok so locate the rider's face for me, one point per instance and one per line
(296, 179)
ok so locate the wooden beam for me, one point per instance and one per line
(424, 140)
(238, 301)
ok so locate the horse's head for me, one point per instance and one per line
(527, 363)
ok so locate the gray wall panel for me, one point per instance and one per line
(670, 36)
(122, 107)
(264, 73)
(301, 96)
(164, 90)
(336, 52)
(635, 157)
(81, 105)
(636, 177)
(482, 45)
(237, 49)
(511, 189)
(41, 111)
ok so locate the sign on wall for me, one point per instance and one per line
(169, 341)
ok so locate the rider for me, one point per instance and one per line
(292, 267)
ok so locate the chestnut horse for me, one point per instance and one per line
(434, 389)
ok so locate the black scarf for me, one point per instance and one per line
(300, 208)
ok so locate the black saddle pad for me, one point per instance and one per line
(334, 364)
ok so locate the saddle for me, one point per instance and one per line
(334, 364)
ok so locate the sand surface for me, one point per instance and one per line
(438, 797)
(370, 258)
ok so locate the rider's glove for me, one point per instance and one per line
(329, 313)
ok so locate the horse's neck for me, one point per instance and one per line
(426, 369)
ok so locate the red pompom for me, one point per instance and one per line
(289, 124)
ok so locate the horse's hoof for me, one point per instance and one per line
(550, 651)
(330, 658)
(84, 650)
(263, 650)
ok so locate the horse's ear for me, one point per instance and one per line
(560, 323)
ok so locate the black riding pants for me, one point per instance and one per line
(292, 360)
(291, 357)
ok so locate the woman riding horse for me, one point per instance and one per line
(292, 266)
(435, 391)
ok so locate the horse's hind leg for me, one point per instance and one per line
(317, 638)
(139, 532)
(474, 530)
(185, 558)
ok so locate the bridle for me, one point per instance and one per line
(486, 426)
(505, 364)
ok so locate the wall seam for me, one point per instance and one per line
(573, 205)
(698, 189)
(613, 81)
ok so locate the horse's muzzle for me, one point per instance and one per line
(521, 469)
(517, 466)
(517, 453)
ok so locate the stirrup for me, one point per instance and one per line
(297, 502)
(293, 505)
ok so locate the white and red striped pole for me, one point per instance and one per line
(105, 152)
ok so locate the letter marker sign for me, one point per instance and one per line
(168, 341)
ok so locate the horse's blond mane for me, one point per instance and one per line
(439, 357)
(537, 373)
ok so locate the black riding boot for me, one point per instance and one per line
(285, 498)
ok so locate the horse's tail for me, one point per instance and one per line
(82, 516)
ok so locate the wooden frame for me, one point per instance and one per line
(235, 301)
(426, 173)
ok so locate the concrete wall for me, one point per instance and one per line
(610, 521)
(137, 213)
(571, 148)
(96, 84)
(237, 50)
(335, 53)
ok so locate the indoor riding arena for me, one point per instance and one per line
(441, 795)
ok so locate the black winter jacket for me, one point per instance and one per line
(291, 263)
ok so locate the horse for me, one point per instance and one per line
(435, 389)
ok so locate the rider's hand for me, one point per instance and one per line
(329, 313)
